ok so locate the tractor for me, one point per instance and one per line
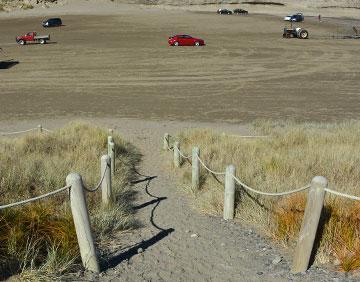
(296, 32)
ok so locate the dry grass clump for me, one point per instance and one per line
(40, 237)
(9, 5)
(289, 159)
(26, 6)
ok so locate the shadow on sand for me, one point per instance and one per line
(133, 250)
(37, 43)
(4, 65)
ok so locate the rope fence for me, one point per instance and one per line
(208, 169)
(17, 132)
(39, 128)
(351, 197)
(315, 200)
(99, 184)
(183, 156)
(47, 130)
(246, 136)
(267, 193)
(79, 209)
(35, 198)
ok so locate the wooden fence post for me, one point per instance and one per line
(82, 223)
(106, 191)
(195, 168)
(112, 157)
(305, 244)
(166, 145)
(40, 128)
(229, 194)
(110, 139)
(177, 157)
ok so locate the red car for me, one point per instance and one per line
(185, 40)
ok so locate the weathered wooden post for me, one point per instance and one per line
(229, 194)
(110, 139)
(195, 168)
(106, 190)
(177, 157)
(112, 157)
(166, 145)
(82, 223)
(314, 205)
(111, 131)
(40, 128)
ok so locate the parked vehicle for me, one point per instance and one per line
(295, 33)
(241, 11)
(53, 22)
(185, 40)
(224, 12)
(299, 17)
(32, 37)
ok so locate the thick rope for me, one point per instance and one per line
(208, 169)
(48, 130)
(24, 131)
(17, 132)
(248, 136)
(183, 156)
(342, 194)
(35, 198)
(99, 184)
(170, 148)
(270, 194)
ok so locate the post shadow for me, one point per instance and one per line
(38, 43)
(127, 255)
(133, 250)
(324, 219)
(149, 203)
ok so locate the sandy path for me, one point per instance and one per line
(170, 253)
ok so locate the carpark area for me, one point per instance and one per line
(120, 65)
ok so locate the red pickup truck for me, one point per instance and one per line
(32, 37)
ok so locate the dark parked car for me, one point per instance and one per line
(299, 17)
(224, 12)
(240, 11)
(52, 22)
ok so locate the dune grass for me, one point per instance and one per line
(40, 237)
(289, 159)
(26, 6)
